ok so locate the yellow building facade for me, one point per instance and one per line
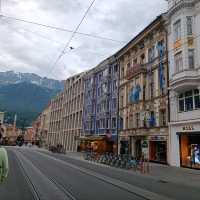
(143, 94)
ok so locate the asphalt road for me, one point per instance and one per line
(46, 176)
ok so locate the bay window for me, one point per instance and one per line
(197, 98)
(189, 100)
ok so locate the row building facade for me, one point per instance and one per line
(66, 115)
(143, 100)
(143, 94)
(101, 105)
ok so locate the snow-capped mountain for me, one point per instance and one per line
(11, 77)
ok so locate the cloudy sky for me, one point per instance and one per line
(30, 48)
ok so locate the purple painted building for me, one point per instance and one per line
(101, 100)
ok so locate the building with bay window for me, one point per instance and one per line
(184, 75)
(143, 94)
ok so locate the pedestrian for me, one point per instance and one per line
(1, 134)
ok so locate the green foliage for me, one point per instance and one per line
(26, 100)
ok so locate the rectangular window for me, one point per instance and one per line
(189, 101)
(114, 85)
(114, 106)
(177, 30)
(137, 120)
(163, 118)
(122, 72)
(178, 62)
(197, 98)
(121, 101)
(152, 120)
(135, 61)
(115, 68)
(191, 58)
(128, 65)
(152, 89)
(142, 59)
(114, 124)
(181, 103)
(151, 54)
(144, 92)
(107, 123)
(189, 25)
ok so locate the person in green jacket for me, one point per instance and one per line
(3, 165)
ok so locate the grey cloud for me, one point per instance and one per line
(36, 51)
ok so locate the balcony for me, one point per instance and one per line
(135, 70)
(185, 80)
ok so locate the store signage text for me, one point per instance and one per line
(159, 138)
(188, 128)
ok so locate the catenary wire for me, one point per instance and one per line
(62, 29)
(71, 38)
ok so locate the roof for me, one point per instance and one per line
(157, 19)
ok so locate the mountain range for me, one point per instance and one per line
(26, 95)
(11, 77)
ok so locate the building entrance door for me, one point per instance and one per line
(158, 151)
(138, 148)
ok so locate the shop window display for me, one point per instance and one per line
(195, 155)
(190, 151)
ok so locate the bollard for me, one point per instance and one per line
(3, 165)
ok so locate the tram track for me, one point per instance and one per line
(145, 195)
(30, 184)
(33, 187)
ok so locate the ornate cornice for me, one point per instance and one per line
(180, 5)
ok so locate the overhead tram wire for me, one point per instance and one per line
(33, 32)
(61, 29)
(70, 39)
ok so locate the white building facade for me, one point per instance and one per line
(184, 81)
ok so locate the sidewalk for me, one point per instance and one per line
(162, 173)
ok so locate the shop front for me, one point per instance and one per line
(98, 144)
(190, 150)
(158, 149)
(185, 144)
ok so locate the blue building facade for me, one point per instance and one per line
(101, 100)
